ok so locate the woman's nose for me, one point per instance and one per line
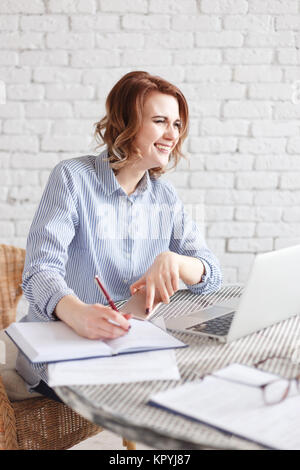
(170, 132)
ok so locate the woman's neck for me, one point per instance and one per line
(128, 178)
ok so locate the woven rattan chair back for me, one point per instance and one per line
(35, 423)
(11, 268)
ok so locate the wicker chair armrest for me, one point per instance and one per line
(8, 432)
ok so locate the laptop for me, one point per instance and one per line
(272, 294)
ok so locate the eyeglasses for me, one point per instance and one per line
(278, 390)
(273, 392)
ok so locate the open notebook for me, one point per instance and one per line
(55, 341)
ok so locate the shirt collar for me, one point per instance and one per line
(105, 174)
(109, 181)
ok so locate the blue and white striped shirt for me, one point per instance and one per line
(86, 224)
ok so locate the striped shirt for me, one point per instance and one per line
(86, 224)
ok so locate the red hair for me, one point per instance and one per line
(124, 110)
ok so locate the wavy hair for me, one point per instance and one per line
(124, 113)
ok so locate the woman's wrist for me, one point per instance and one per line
(191, 269)
(67, 308)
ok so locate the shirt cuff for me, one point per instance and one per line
(204, 278)
(56, 297)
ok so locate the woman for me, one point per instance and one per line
(113, 215)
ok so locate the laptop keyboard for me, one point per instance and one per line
(217, 326)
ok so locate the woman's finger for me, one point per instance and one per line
(109, 329)
(161, 286)
(127, 315)
(115, 317)
(137, 284)
(150, 294)
(175, 281)
(169, 286)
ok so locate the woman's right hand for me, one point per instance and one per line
(93, 321)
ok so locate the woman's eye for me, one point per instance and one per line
(177, 124)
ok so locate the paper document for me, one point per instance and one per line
(245, 375)
(153, 365)
(237, 407)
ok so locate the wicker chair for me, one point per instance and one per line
(35, 423)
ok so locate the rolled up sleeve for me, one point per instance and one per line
(50, 235)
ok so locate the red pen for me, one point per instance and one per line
(110, 301)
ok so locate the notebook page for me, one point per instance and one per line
(143, 335)
(54, 341)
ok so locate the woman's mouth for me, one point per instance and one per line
(163, 148)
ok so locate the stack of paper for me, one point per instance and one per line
(232, 400)
(144, 353)
(153, 365)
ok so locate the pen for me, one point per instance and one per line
(110, 301)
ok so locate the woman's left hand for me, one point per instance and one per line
(163, 276)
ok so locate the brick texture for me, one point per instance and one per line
(237, 61)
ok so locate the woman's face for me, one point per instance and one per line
(160, 129)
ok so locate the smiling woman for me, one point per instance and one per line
(160, 130)
(134, 103)
(112, 215)
(157, 137)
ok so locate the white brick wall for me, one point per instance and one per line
(237, 61)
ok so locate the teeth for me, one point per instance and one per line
(163, 147)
